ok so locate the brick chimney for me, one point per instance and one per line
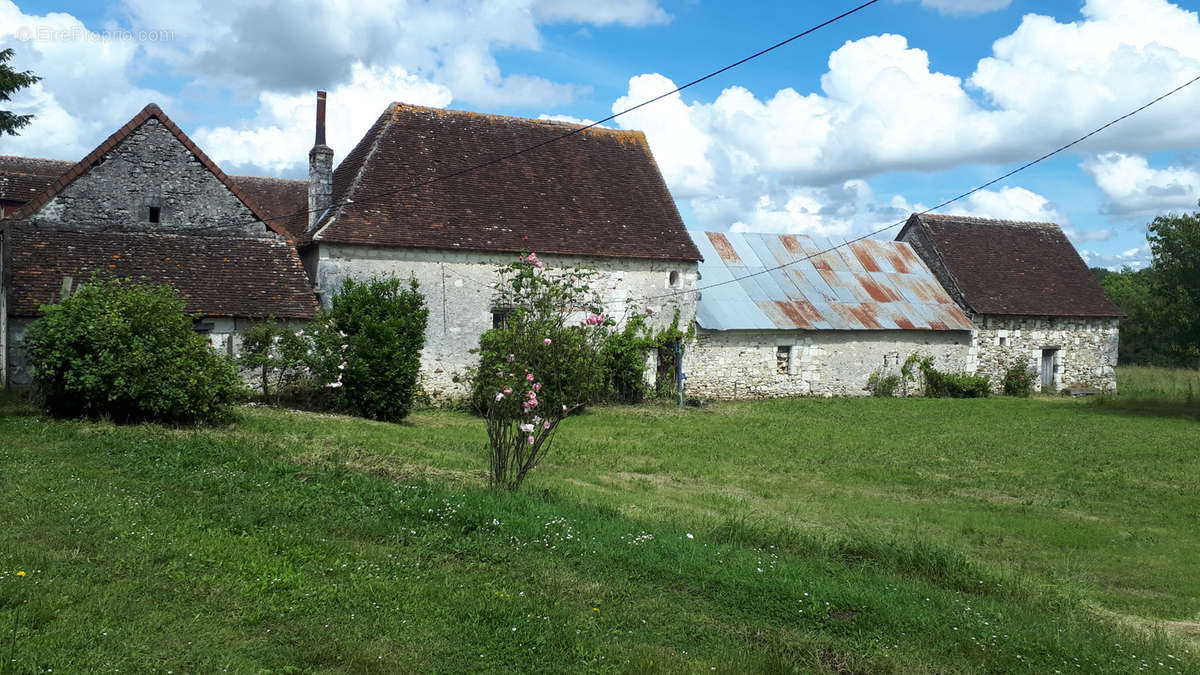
(320, 170)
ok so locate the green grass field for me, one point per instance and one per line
(914, 535)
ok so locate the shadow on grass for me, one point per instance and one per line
(1145, 407)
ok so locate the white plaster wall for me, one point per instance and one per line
(1087, 349)
(458, 292)
(745, 364)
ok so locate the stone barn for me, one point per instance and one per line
(146, 204)
(791, 315)
(1032, 299)
(594, 198)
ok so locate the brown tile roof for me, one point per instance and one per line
(84, 165)
(1017, 268)
(282, 201)
(217, 276)
(23, 178)
(598, 192)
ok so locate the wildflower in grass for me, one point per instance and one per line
(20, 573)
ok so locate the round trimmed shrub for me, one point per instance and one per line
(127, 351)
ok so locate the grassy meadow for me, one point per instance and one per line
(806, 535)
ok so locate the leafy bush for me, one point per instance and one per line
(280, 355)
(945, 385)
(542, 364)
(624, 363)
(368, 346)
(128, 351)
(1018, 381)
(882, 386)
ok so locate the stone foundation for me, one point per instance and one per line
(770, 364)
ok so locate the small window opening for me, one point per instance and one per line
(783, 359)
(673, 278)
(1003, 342)
(155, 212)
(499, 317)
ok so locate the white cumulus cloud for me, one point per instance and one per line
(1135, 188)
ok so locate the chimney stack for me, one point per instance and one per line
(320, 170)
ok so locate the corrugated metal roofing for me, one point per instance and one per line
(866, 285)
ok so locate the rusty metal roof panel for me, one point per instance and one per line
(795, 282)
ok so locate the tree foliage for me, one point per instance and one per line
(12, 81)
(1162, 301)
(128, 351)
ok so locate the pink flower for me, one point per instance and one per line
(537, 386)
(545, 425)
(527, 428)
(507, 391)
(529, 377)
(531, 440)
(574, 278)
(595, 319)
(649, 310)
(547, 341)
(533, 260)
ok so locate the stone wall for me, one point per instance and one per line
(1086, 349)
(750, 364)
(457, 289)
(150, 168)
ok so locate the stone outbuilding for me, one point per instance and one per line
(1032, 299)
(791, 315)
(146, 204)
(445, 196)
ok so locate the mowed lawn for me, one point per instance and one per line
(998, 535)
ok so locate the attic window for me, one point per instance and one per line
(673, 279)
(155, 212)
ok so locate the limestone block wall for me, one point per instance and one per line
(150, 168)
(1086, 348)
(458, 292)
(767, 364)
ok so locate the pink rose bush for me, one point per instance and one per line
(540, 366)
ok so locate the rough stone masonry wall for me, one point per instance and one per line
(149, 168)
(457, 290)
(748, 364)
(1087, 349)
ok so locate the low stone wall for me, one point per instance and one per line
(1086, 349)
(769, 364)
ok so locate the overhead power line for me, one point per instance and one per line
(581, 129)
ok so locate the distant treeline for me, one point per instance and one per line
(1162, 301)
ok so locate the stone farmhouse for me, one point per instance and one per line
(147, 204)
(790, 315)
(1030, 296)
(592, 199)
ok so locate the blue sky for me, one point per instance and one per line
(894, 109)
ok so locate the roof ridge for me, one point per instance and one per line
(279, 178)
(986, 220)
(471, 113)
(119, 136)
